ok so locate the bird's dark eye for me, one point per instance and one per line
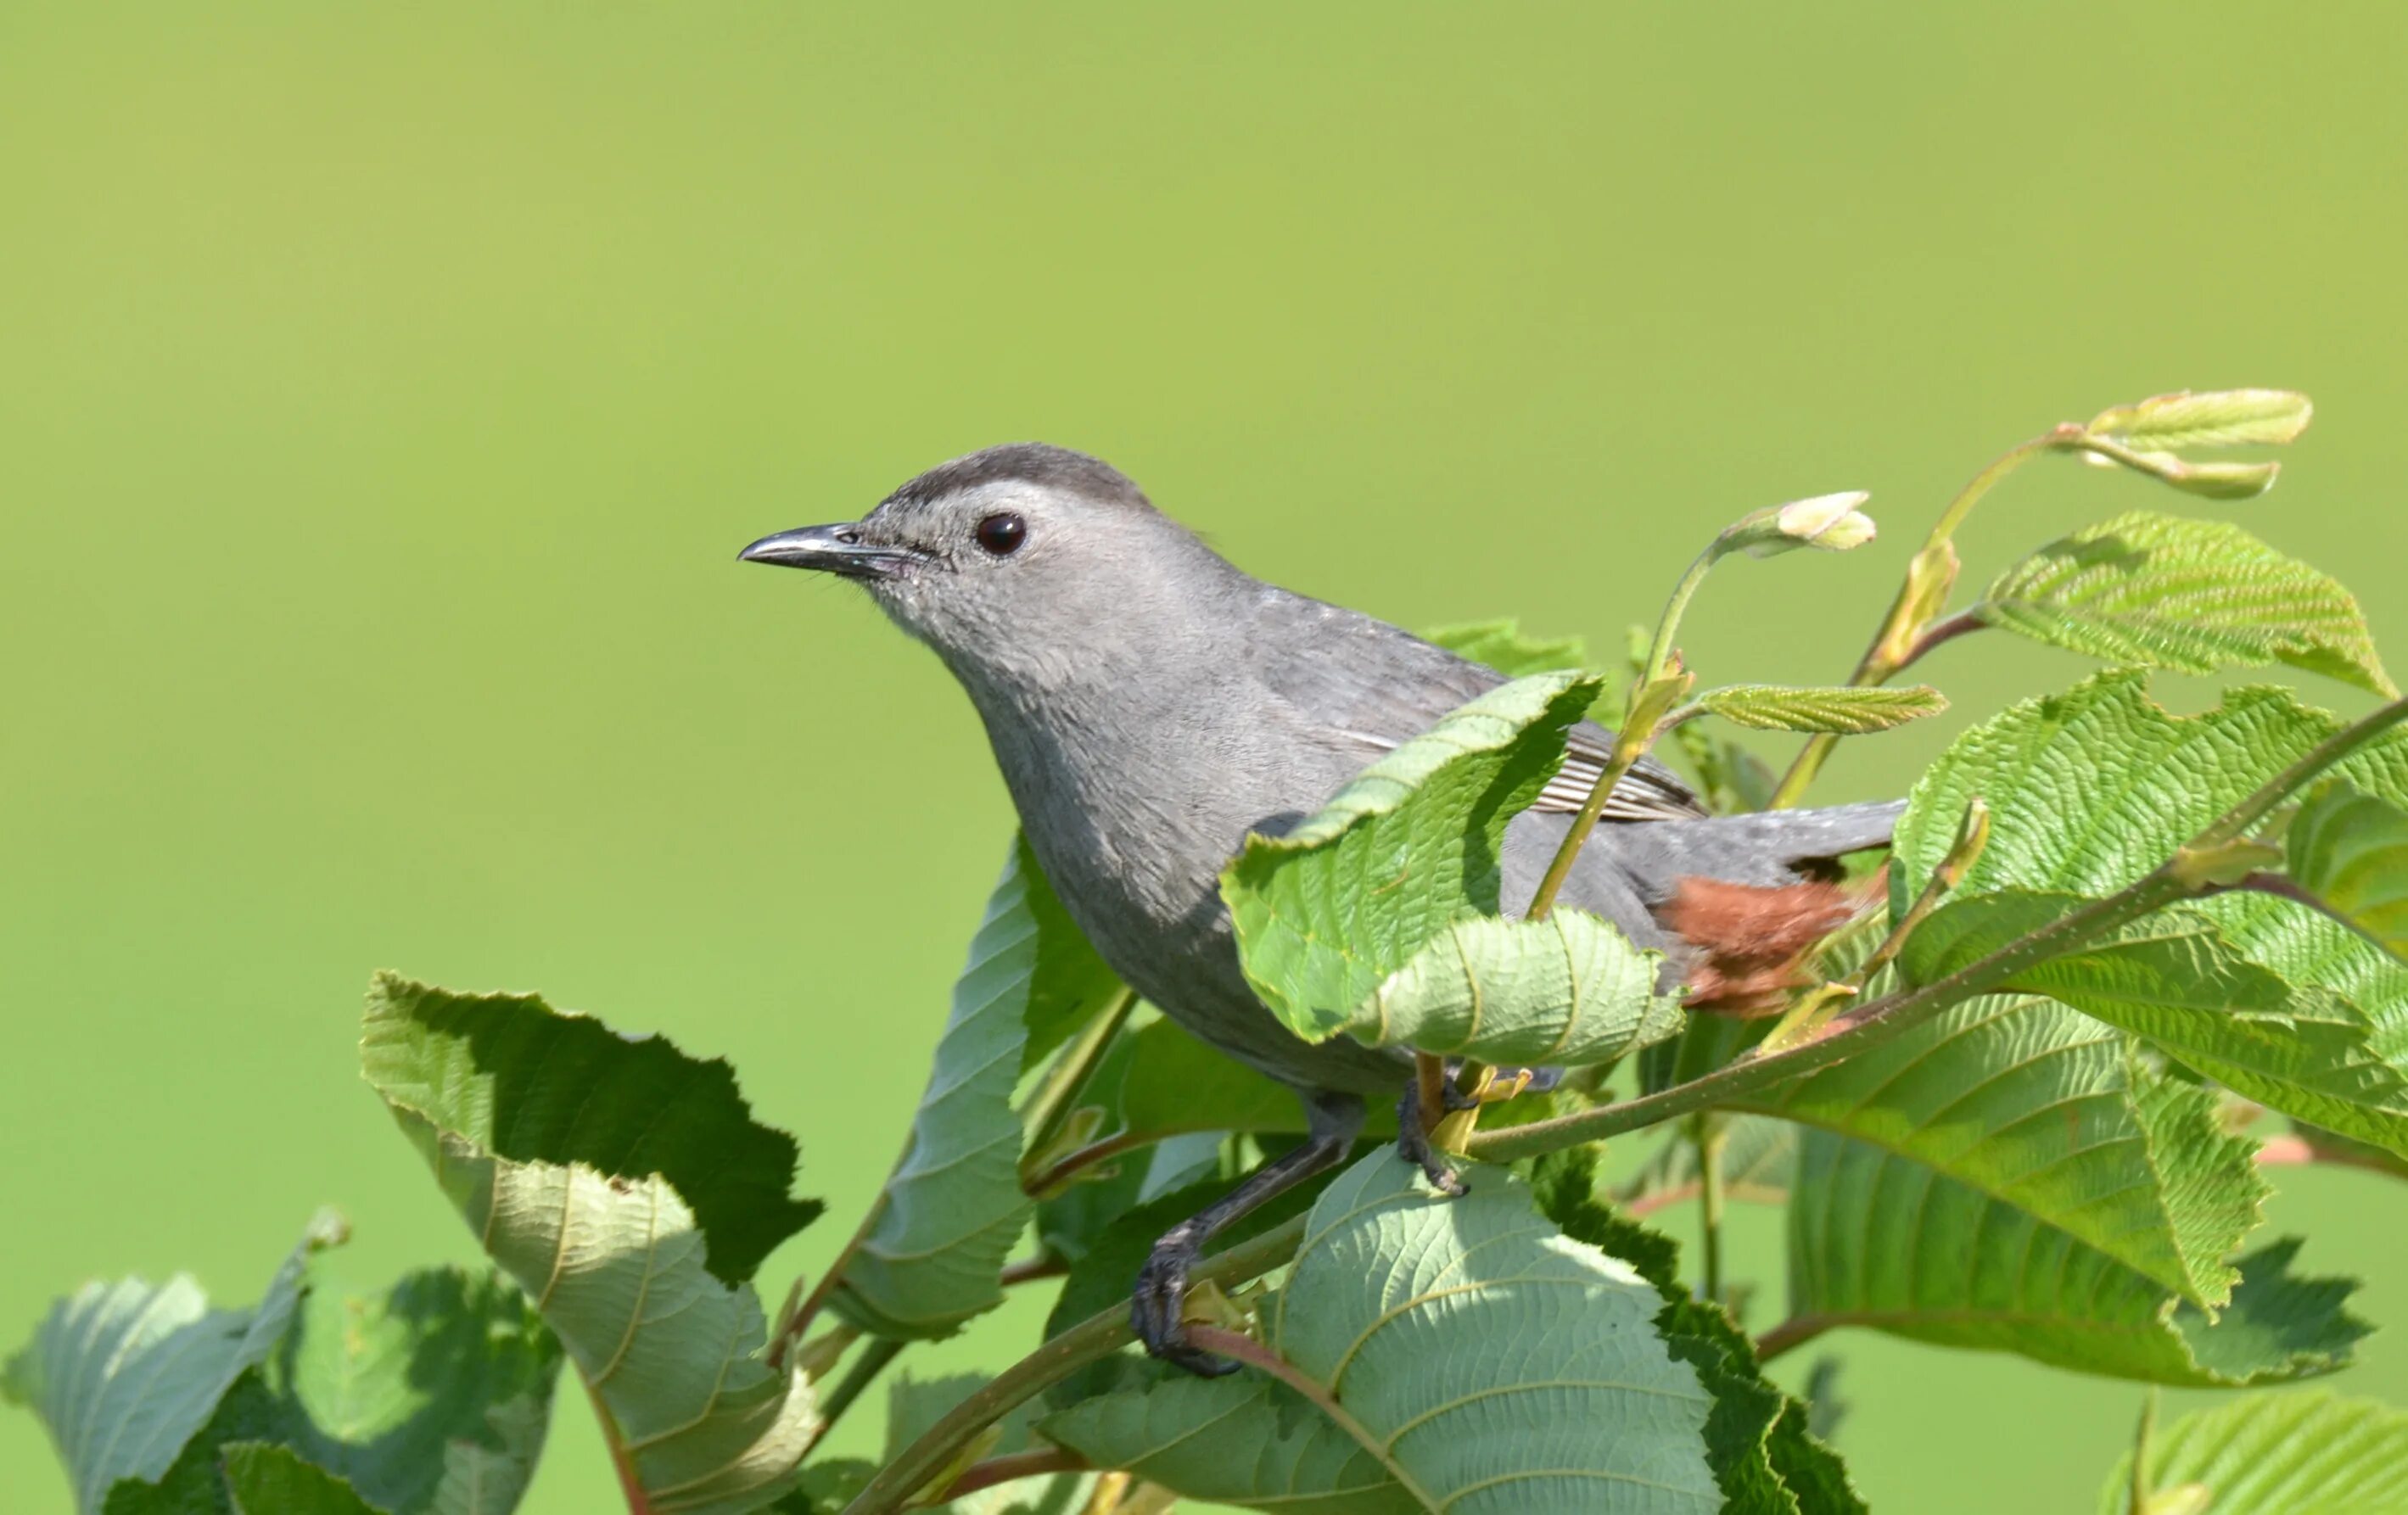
(1002, 533)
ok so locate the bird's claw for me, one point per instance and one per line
(1157, 1310)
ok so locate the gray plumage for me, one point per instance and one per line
(1149, 703)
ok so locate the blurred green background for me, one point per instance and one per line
(384, 392)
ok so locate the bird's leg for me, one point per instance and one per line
(1332, 1121)
(1413, 1125)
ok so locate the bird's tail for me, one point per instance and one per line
(1753, 895)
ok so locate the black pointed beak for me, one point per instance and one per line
(837, 550)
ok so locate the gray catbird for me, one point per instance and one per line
(1150, 704)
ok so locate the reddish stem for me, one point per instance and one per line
(630, 1484)
(1019, 1464)
(1790, 1334)
(1088, 1157)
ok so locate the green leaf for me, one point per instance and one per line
(1176, 1084)
(1765, 1459)
(1569, 991)
(566, 1149)
(1324, 914)
(1841, 710)
(2307, 1453)
(2091, 789)
(1069, 984)
(2166, 591)
(1488, 1362)
(2350, 850)
(1881, 1241)
(264, 1479)
(2218, 418)
(430, 1399)
(952, 1207)
(1503, 646)
(2052, 1114)
(123, 1374)
(2173, 980)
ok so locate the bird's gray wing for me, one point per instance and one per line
(1371, 686)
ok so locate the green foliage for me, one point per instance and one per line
(1568, 990)
(2052, 1115)
(1881, 1241)
(123, 1374)
(2167, 591)
(953, 1206)
(1326, 913)
(1760, 1160)
(2310, 1453)
(1845, 711)
(619, 1263)
(2350, 850)
(1503, 646)
(265, 1480)
(2220, 418)
(1477, 1359)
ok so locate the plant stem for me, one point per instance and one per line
(1889, 651)
(1032, 1270)
(1086, 1157)
(1627, 751)
(2140, 1439)
(1790, 1334)
(1709, 1139)
(1019, 1464)
(864, 1370)
(623, 1462)
(1098, 1336)
(2333, 750)
(1050, 1108)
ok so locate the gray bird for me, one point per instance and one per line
(1150, 704)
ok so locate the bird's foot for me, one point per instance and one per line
(1412, 1135)
(1157, 1309)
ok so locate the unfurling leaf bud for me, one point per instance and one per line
(1831, 522)
(2220, 418)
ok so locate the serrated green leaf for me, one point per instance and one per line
(2174, 980)
(2304, 1453)
(1842, 710)
(1502, 645)
(1881, 1241)
(264, 1479)
(615, 1259)
(1765, 1461)
(123, 1374)
(2090, 790)
(1327, 913)
(1569, 991)
(431, 1398)
(954, 1207)
(2167, 591)
(2049, 1112)
(2350, 850)
(2217, 418)
(1492, 1363)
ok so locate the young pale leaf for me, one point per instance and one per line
(1765, 1459)
(1324, 914)
(1478, 1361)
(2350, 850)
(2049, 1113)
(1842, 711)
(2175, 980)
(2219, 418)
(2311, 1453)
(2165, 592)
(1880, 1240)
(429, 1399)
(123, 1374)
(1503, 646)
(1569, 991)
(2090, 790)
(265, 1480)
(569, 1150)
(954, 1207)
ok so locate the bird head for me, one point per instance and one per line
(1020, 565)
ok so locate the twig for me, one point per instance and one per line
(864, 1370)
(1004, 1469)
(1051, 1107)
(1790, 1335)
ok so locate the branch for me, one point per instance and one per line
(1789, 1334)
(1098, 1336)
(1019, 1464)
